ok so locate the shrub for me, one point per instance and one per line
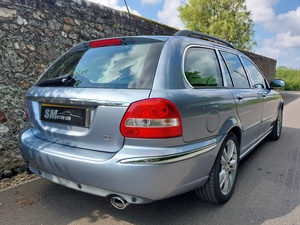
(291, 77)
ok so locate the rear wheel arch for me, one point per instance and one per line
(233, 125)
(238, 133)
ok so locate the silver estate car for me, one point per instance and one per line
(144, 118)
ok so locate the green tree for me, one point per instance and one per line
(226, 19)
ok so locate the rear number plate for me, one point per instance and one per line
(74, 116)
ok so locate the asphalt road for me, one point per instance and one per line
(267, 192)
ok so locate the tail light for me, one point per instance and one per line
(25, 107)
(151, 118)
(105, 42)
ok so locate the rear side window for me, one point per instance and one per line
(122, 66)
(237, 72)
(201, 67)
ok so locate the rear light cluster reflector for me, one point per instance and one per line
(152, 118)
(105, 42)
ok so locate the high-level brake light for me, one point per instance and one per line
(105, 42)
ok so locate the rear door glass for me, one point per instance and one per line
(256, 77)
(123, 66)
(238, 74)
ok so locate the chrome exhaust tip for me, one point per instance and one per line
(119, 202)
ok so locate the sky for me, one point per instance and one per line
(277, 23)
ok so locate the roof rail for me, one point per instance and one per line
(199, 35)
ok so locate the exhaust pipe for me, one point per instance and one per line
(119, 202)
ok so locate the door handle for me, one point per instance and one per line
(239, 97)
(262, 93)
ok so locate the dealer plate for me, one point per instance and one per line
(75, 116)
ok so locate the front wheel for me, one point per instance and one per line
(222, 177)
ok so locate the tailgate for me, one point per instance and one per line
(86, 118)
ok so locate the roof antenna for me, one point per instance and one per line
(132, 24)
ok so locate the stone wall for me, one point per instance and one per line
(35, 32)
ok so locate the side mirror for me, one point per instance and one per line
(277, 83)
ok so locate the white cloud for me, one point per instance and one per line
(262, 10)
(281, 32)
(270, 49)
(151, 2)
(110, 3)
(289, 22)
(287, 40)
(115, 5)
(284, 47)
(281, 23)
(170, 15)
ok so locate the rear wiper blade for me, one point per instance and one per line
(65, 80)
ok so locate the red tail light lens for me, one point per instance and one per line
(105, 42)
(152, 118)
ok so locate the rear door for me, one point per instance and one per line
(270, 99)
(248, 102)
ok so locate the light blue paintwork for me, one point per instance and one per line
(99, 160)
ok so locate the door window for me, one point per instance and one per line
(256, 77)
(238, 74)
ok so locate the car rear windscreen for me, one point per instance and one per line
(122, 66)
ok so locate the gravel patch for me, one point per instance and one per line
(15, 180)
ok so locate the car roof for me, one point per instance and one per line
(202, 36)
(198, 38)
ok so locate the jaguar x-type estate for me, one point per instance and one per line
(139, 119)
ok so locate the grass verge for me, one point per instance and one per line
(290, 76)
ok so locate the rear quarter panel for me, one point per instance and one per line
(205, 112)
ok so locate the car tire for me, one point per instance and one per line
(222, 178)
(276, 132)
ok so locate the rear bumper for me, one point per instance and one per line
(137, 178)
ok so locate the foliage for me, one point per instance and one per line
(226, 19)
(197, 80)
(291, 77)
